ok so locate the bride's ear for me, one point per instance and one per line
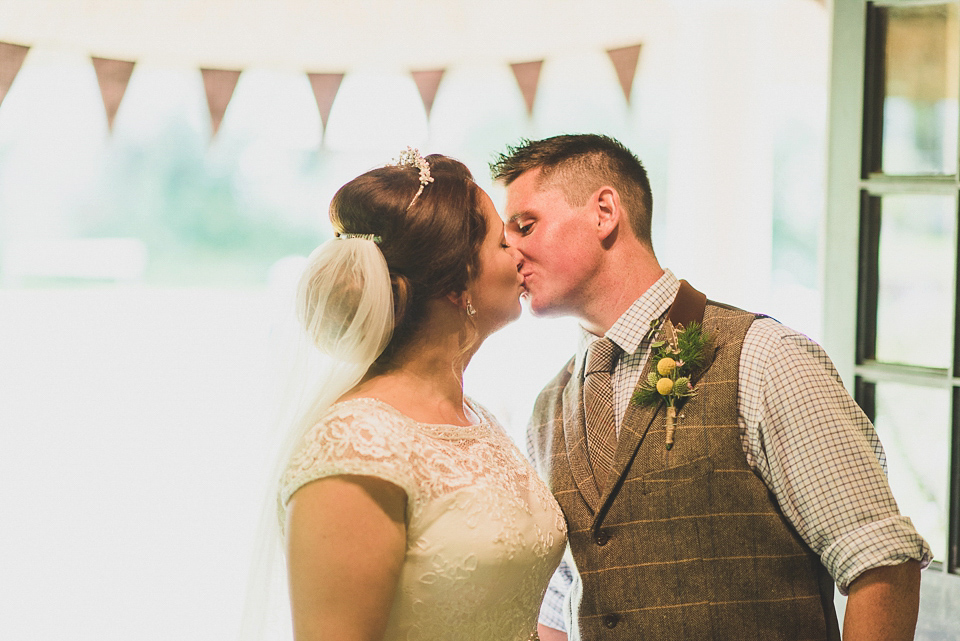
(462, 301)
(459, 299)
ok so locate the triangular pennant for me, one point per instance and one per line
(427, 84)
(528, 76)
(11, 58)
(113, 77)
(219, 85)
(624, 62)
(325, 87)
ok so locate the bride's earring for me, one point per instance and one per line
(471, 311)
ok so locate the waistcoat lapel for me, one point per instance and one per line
(575, 436)
(636, 422)
(689, 305)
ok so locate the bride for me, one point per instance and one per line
(407, 511)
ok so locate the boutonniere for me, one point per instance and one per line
(677, 354)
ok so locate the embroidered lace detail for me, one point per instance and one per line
(483, 532)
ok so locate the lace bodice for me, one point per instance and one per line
(484, 534)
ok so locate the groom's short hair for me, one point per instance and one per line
(579, 164)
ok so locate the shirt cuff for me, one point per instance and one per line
(890, 541)
(551, 609)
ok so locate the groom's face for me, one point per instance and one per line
(558, 245)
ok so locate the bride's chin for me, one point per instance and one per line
(512, 317)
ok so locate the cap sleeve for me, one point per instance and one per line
(355, 438)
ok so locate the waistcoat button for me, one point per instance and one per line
(611, 620)
(602, 537)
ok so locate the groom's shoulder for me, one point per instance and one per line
(552, 391)
(725, 310)
(728, 318)
(547, 415)
(558, 382)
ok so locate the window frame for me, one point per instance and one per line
(855, 186)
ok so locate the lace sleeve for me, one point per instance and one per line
(353, 439)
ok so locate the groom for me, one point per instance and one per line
(772, 489)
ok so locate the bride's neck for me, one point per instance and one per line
(426, 381)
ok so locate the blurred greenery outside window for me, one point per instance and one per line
(221, 212)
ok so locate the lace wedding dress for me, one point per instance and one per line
(484, 534)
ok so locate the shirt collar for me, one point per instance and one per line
(629, 330)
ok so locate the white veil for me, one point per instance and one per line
(345, 307)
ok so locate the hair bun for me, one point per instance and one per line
(402, 293)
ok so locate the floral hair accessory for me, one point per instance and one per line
(411, 157)
(676, 356)
(372, 237)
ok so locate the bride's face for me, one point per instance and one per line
(495, 291)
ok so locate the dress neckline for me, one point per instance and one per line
(442, 430)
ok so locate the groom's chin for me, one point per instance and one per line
(526, 303)
(538, 311)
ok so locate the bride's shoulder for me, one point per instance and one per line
(359, 436)
(360, 425)
(364, 411)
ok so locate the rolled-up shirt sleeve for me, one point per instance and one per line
(820, 456)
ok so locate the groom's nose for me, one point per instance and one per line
(517, 256)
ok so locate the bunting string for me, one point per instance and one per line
(113, 77)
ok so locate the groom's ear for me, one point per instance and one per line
(608, 210)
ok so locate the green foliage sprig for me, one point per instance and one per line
(676, 355)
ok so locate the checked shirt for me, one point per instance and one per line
(801, 432)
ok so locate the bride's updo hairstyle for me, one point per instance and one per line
(363, 297)
(430, 241)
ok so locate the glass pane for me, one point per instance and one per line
(920, 90)
(913, 423)
(916, 280)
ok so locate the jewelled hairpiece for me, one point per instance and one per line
(411, 157)
(372, 237)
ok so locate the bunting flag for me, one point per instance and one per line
(113, 77)
(11, 57)
(528, 77)
(325, 87)
(427, 84)
(624, 62)
(219, 85)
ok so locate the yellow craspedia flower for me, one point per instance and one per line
(664, 386)
(666, 365)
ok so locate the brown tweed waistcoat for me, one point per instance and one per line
(686, 543)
